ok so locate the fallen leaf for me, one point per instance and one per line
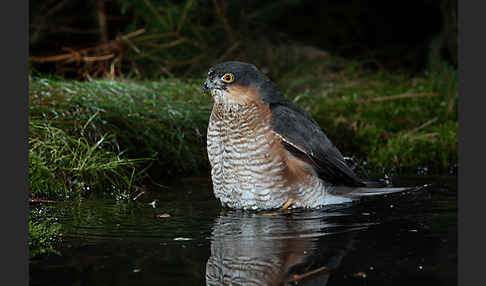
(165, 215)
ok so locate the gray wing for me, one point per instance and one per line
(303, 137)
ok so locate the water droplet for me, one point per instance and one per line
(153, 204)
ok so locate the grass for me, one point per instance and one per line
(64, 166)
(401, 135)
(92, 129)
(44, 233)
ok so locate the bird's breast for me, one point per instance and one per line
(247, 159)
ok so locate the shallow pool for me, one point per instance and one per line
(179, 235)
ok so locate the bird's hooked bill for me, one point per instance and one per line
(208, 85)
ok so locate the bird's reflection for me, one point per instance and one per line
(279, 249)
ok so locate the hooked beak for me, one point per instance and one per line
(207, 86)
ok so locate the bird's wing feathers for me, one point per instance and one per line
(303, 137)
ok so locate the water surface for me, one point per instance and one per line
(185, 238)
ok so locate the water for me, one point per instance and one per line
(394, 240)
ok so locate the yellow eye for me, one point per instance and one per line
(227, 77)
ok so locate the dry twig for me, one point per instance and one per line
(81, 55)
(297, 277)
(229, 51)
(413, 130)
(221, 12)
(183, 17)
(399, 96)
(425, 136)
(156, 13)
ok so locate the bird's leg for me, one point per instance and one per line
(287, 204)
(285, 207)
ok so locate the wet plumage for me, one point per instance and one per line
(265, 152)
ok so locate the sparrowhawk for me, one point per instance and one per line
(267, 153)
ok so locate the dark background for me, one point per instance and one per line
(185, 37)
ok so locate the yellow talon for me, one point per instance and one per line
(287, 204)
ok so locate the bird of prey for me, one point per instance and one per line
(267, 153)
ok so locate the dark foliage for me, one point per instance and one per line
(149, 38)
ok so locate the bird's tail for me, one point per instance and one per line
(359, 192)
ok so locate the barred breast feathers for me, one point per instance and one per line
(246, 153)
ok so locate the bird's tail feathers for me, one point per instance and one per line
(359, 192)
(374, 184)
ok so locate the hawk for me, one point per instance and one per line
(267, 153)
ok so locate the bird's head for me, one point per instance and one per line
(239, 83)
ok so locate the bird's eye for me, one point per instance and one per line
(227, 77)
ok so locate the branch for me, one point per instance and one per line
(102, 24)
(413, 130)
(229, 51)
(156, 13)
(425, 136)
(220, 11)
(297, 277)
(99, 58)
(80, 54)
(184, 14)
